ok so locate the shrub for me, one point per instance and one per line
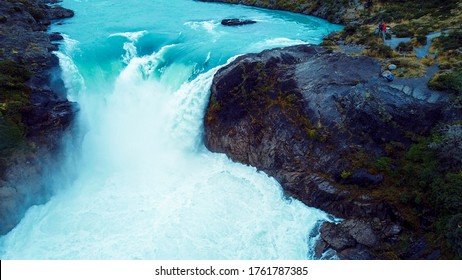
(327, 43)
(350, 29)
(345, 174)
(454, 234)
(379, 50)
(421, 39)
(427, 60)
(451, 41)
(405, 47)
(447, 81)
(402, 31)
(448, 145)
(383, 164)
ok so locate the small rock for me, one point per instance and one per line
(361, 231)
(320, 248)
(236, 21)
(407, 90)
(386, 73)
(55, 36)
(335, 237)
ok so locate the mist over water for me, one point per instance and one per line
(146, 187)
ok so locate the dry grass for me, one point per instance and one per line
(408, 67)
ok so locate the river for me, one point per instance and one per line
(145, 186)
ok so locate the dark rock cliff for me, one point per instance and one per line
(316, 121)
(34, 110)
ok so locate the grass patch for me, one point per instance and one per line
(450, 41)
(408, 67)
(379, 50)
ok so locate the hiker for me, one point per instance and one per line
(382, 30)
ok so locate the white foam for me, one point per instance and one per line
(209, 25)
(129, 47)
(141, 196)
(182, 204)
(276, 42)
(71, 76)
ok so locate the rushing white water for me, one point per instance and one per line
(146, 187)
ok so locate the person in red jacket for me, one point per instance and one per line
(384, 31)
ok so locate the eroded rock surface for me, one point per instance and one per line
(315, 121)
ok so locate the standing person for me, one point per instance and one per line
(380, 28)
(384, 31)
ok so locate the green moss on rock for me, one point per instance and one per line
(14, 96)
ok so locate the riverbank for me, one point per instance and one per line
(398, 188)
(34, 110)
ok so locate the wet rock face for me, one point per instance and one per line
(303, 115)
(43, 114)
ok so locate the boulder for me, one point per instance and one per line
(350, 238)
(55, 36)
(335, 237)
(58, 12)
(236, 21)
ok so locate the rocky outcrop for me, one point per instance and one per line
(236, 21)
(317, 121)
(34, 110)
(58, 12)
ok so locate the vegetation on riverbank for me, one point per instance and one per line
(422, 178)
(424, 181)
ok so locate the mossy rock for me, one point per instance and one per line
(11, 134)
(14, 96)
(11, 71)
